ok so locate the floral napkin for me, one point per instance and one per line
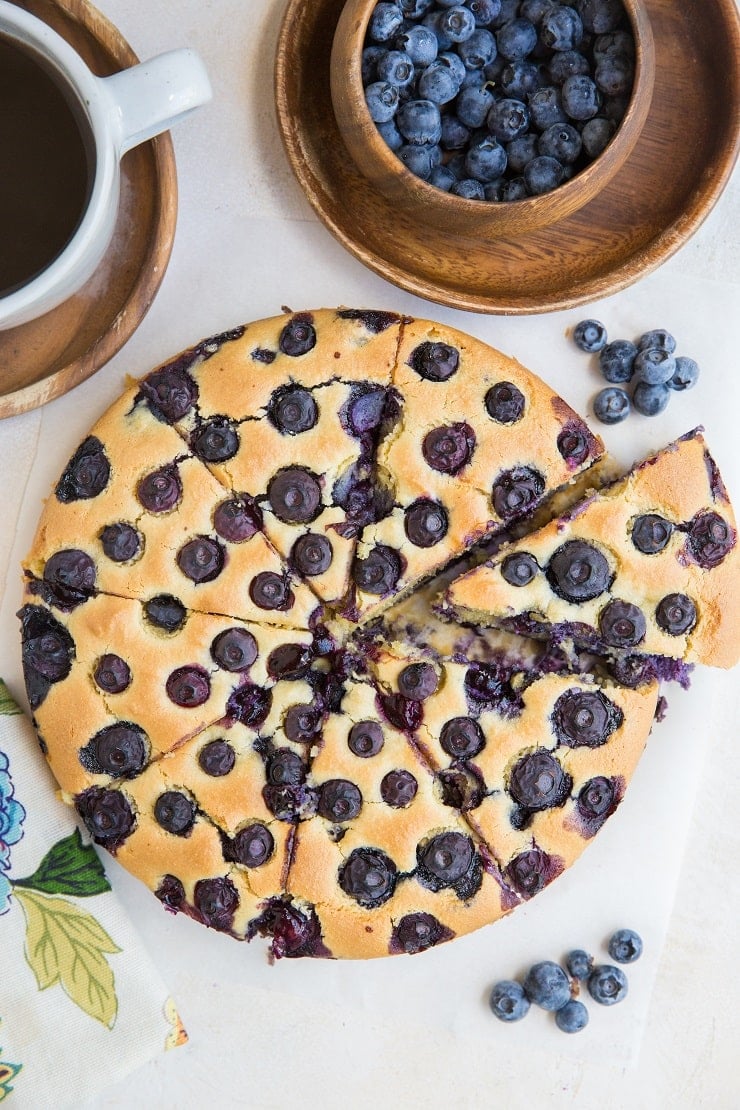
(81, 1004)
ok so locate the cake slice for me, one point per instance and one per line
(648, 565)
(480, 442)
(288, 411)
(137, 515)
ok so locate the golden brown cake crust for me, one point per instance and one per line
(204, 678)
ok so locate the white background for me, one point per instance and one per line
(417, 1032)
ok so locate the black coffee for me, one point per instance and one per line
(44, 167)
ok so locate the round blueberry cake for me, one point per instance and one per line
(233, 658)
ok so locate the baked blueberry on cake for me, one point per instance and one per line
(237, 661)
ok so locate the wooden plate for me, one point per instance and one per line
(659, 198)
(49, 356)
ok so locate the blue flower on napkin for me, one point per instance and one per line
(12, 815)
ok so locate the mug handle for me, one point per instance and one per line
(149, 97)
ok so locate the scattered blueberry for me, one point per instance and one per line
(547, 985)
(590, 336)
(650, 399)
(508, 1001)
(611, 405)
(579, 963)
(685, 375)
(617, 361)
(607, 985)
(654, 366)
(572, 1017)
(625, 946)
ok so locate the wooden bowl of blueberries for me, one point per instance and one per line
(473, 122)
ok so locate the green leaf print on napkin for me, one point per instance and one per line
(70, 867)
(8, 708)
(65, 944)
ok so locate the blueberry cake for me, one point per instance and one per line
(235, 665)
(649, 565)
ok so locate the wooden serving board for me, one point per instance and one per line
(49, 356)
(657, 200)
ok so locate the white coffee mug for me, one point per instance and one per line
(118, 112)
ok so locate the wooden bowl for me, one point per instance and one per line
(436, 208)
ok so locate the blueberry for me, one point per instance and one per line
(485, 160)
(382, 100)
(368, 876)
(519, 569)
(442, 178)
(560, 141)
(657, 338)
(611, 405)
(120, 750)
(585, 718)
(709, 539)
(607, 985)
(166, 612)
(537, 781)
(249, 704)
(456, 23)
(215, 440)
(613, 42)
(398, 789)
(567, 63)
(289, 662)
(462, 738)
(86, 474)
(520, 151)
(651, 533)
(292, 410)
(572, 1017)
(654, 366)
(298, 337)
(414, 9)
(675, 614)
(622, 624)
(456, 64)
(546, 984)
(188, 686)
(504, 403)
(517, 491)
(378, 573)
(425, 522)
(216, 900)
(69, 578)
(536, 10)
(385, 22)
(596, 135)
(368, 63)
(614, 75)
(546, 107)
(617, 360)
(237, 519)
(419, 122)
(516, 39)
(468, 189)
(521, 79)
(420, 44)
(416, 159)
(418, 681)
(339, 800)
(294, 494)
(365, 739)
(311, 554)
(252, 846)
(234, 649)
(685, 375)
(216, 758)
(438, 82)
(508, 1001)
(161, 490)
(416, 932)
(530, 872)
(577, 571)
(107, 815)
(590, 336)
(514, 189)
(561, 28)
(396, 68)
(121, 542)
(581, 97)
(455, 135)
(508, 119)
(473, 105)
(600, 16)
(478, 50)
(201, 559)
(579, 963)
(650, 400)
(542, 175)
(175, 812)
(446, 858)
(112, 674)
(625, 946)
(484, 11)
(449, 448)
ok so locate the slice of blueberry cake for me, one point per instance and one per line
(478, 443)
(235, 663)
(648, 565)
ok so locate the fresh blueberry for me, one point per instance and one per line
(611, 405)
(567, 63)
(546, 107)
(600, 16)
(382, 101)
(417, 159)
(473, 105)
(590, 336)
(607, 985)
(468, 189)
(484, 11)
(535, 10)
(478, 50)
(542, 175)
(613, 42)
(581, 97)
(415, 9)
(442, 178)
(431, 21)
(420, 44)
(457, 23)
(685, 375)
(396, 68)
(516, 39)
(485, 160)
(508, 1001)
(508, 119)
(625, 946)
(614, 75)
(369, 62)
(579, 963)
(561, 28)
(572, 1017)
(455, 135)
(653, 366)
(561, 141)
(419, 122)
(547, 985)
(514, 189)
(390, 134)
(520, 151)
(650, 399)
(520, 79)
(385, 22)
(456, 64)
(617, 360)
(596, 135)
(659, 338)
(438, 82)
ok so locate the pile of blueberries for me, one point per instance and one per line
(548, 986)
(650, 367)
(497, 100)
